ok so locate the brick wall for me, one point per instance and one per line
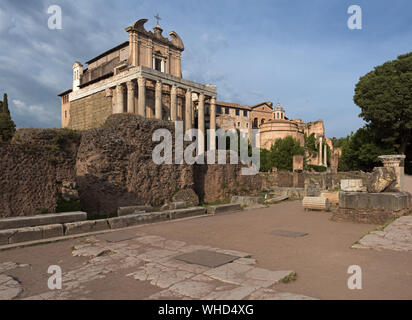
(90, 112)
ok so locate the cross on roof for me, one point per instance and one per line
(157, 17)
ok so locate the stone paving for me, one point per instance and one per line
(397, 236)
(10, 288)
(153, 259)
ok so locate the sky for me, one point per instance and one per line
(300, 53)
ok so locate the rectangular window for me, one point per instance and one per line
(227, 110)
(158, 64)
(219, 110)
(237, 112)
(244, 113)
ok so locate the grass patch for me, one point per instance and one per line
(67, 206)
(290, 278)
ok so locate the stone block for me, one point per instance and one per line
(36, 233)
(5, 235)
(124, 211)
(39, 220)
(332, 196)
(135, 219)
(395, 201)
(174, 205)
(244, 200)
(184, 213)
(277, 199)
(382, 179)
(224, 208)
(352, 185)
(188, 196)
(85, 226)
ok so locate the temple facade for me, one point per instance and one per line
(142, 76)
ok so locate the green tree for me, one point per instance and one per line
(311, 145)
(282, 152)
(385, 98)
(7, 126)
(360, 150)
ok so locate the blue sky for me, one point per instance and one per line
(299, 52)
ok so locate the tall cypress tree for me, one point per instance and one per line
(5, 104)
(7, 126)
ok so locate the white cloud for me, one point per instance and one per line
(36, 114)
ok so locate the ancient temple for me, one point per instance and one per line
(142, 76)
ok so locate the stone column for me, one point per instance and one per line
(213, 123)
(131, 92)
(325, 155)
(173, 103)
(141, 108)
(120, 99)
(158, 100)
(201, 123)
(320, 150)
(188, 110)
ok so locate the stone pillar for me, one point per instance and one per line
(141, 108)
(320, 150)
(120, 99)
(131, 92)
(158, 100)
(213, 123)
(188, 110)
(297, 163)
(201, 123)
(173, 103)
(325, 155)
(334, 162)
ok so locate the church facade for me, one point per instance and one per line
(142, 76)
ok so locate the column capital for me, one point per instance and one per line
(141, 81)
(120, 88)
(130, 85)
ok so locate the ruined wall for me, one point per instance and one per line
(90, 112)
(219, 182)
(33, 168)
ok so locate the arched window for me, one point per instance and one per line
(262, 122)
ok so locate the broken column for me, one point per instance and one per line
(397, 162)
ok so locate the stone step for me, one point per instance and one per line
(17, 235)
(224, 208)
(124, 211)
(41, 220)
(65, 228)
(150, 217)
